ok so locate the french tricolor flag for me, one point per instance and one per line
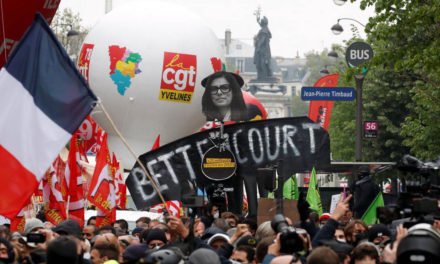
(43, 101)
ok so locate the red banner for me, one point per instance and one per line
(17, 16)
(320, 111)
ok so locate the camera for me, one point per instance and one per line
(35, 238)
(289, 238)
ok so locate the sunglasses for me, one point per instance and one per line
(225, 88)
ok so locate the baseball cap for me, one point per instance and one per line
(377, 231)
(32, 224)
(247, 241)
(324, 216)
(218, 236)
(68, 227)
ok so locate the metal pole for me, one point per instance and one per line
(108, 6)
(358, 142)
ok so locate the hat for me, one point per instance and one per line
(32, 224)
(377, 231)
(156, 234)
(68, 227)
(337, 246)
(137, 230)
(134, 252)
(218, 237)
(247, 241)
(204, 255)
(237, 77)
(324, 216)
(211, 231)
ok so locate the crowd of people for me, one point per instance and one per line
(224, 237)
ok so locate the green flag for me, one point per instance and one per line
(313, 197)
(370, 216)
(290, 189)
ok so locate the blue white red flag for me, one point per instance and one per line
(43, 101)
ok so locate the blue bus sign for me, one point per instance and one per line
(328, 93)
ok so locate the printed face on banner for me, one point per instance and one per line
(178, 77)
(84, 60)
(221, 92)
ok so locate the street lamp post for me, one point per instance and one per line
(339, 2)
(338, 29)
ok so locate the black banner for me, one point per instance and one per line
(296, 143)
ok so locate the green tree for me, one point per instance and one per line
(406, 35)
(64, 23)
(299, 107)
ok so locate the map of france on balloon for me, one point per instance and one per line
(124, 65)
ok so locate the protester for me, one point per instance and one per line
(366, 253)
(7, 254)
(174, 241)
(323, 255)
(104, 252)
(89, 232)
(62, 249)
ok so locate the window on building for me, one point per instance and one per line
(239, 65)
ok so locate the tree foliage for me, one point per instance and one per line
(401, 88)
(64, 22)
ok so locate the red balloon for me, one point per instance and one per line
(255, 108)
(17, 16)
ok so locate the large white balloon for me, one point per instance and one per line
(145, 61)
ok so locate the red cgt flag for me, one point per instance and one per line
(102, 191)
(75, 183)
(120, 187)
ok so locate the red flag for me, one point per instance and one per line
(102, 192)
(216, 64)
(18, 222)
(120, 187)
(17, 16)
(55, 191)
(75, 183)
(156, 143)
(91, 134)
(104, 219)
(174, 208)
(320, 111)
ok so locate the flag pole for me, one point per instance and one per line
(151, 179)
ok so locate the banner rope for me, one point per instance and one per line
(151, 179)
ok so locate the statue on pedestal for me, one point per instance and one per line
(262, 54)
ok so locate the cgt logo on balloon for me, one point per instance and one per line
(178, 77)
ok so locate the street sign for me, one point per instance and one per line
(371, 129)
(328, 93)
(358, 53)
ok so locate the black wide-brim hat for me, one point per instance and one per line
(237, 77)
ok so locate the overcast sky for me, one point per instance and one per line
(296, 25)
